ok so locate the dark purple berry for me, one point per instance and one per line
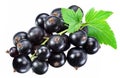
(24, 47)
(57, 59)
(78, 38)
(91, 46)
(57, 12)
(35, 35)
(13, 52)
(43, 53)
(52, 24)
(40, 19)
(67, 41)
(19, 36)
(21, 63)
(76, 57)
(56, 43)
(39, 67)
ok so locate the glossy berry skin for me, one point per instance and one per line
(91, 46)
(24, 47)
(56, 43)
(75, 8)
(57, 59)
(13, 52)
(67, 41)
(78, 38)
(40, 19)
(57, 12)
(21, 63)
(76, 57)
(63, 26)
(52, 24)
(35, 35)
(43, 53)
(19, 36)
(39, 67)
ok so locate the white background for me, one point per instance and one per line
(19, 15)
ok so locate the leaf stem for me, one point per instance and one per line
(62, 32)
(83, 25)
(33, 56)
(45, 41)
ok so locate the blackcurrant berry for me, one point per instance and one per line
(43, 53)
(67, 41)
(78, 38)
(57, 43)
(40, 19)
(24, 47)
(75, 8)
(91, 46)
(57, 12)
(13, 52)
(19, 36)
(39, 67)
(76, 57)
(57, 59)
(35, 35)
(21, 63)
(52, 24)
(63, 26)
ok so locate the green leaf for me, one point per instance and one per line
(103, 33)
(99, 28)
(74, 27)
(72, 18)
(89, 14)
(68, 16)
(79, 15)
(93, 15)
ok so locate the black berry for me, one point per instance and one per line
(57, 12)
(24, 47)
(67, 41)
(57, 43)
(39, 67)
(13, 52)
(40, 19)
(57, 59)
(52, 24)
(43, 53)
(21, 63)
(91, 46)
(78, 38)
(76, 57)
(19, 36)
(35, 35)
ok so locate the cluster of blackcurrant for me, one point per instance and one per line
(46, 43)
